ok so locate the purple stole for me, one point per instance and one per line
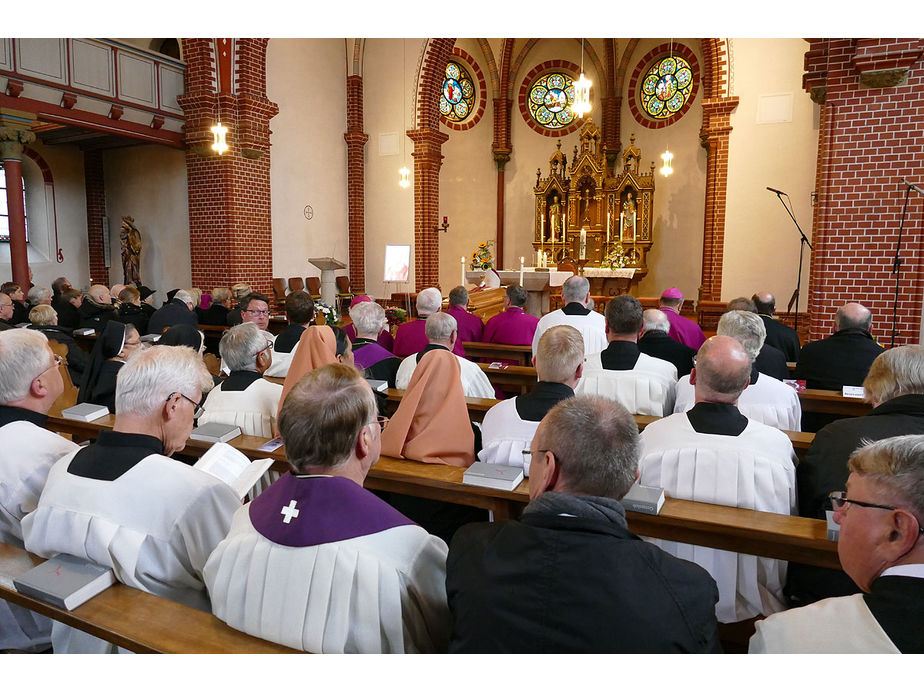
(367, 355)
(310, 511)
(683, 330)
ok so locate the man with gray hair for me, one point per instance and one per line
(442, 333)
(895, 389)
(96, 309)
(124, 503)
(374, 582)
(411, 337)
(881, 546)
(471, 328)
(656, 342)
(39, 296)
(765, 399)
(559, 578)
(179, 310)
(769, 360)
(245, 398)
(509, 426)
(513, 325)
(843, 358)
(714, 454)
(30, 382)
(575, 294)
(368, 355)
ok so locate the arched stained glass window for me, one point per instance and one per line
(550, 98)
(666, 87)
(457, 100)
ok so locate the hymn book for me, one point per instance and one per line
(65, 581)
(214, 432)
(499, 476)
(85, 412)
(233, 467)
(644, 499)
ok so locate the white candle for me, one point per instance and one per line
(463, 270)
(622, 233)
(542, 228)
(522, 260)
(553, 234)
(537, 259)
(583, 243)
(607, 228)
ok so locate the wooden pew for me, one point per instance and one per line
(497, 352)
(735, 529)
(133, 619)
(520, 379)
(833, 402)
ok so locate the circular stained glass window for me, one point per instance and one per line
(666, 87)
(457, 100)
(549, 100)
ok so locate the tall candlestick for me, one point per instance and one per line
(622, 233)
(521, 270)
(583, 243)
(463, 270)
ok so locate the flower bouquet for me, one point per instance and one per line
(482, 259)
(616, 258)
(395, 316)
(325, 314)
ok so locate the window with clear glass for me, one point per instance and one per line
(4, 211)
(666, 87)
(457, 100)
(549, 100)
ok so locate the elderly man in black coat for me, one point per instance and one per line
(779, 334)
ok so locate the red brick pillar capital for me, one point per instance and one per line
(428, 158)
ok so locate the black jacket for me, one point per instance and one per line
(176, 312)
(77, 358)
(552, 583)
(660, 346)
(771, 361)
(216, 314)
(94, 315)
(68, 313)
(782, 336)
(130, 314)
(842, 359)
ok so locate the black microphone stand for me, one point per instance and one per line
(802, 243)
(897, 260)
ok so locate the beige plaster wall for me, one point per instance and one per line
(761, 241)
(148, 183)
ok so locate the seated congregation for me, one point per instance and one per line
(313, 560)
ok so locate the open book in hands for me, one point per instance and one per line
(233, 467)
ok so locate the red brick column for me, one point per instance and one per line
(870, 138)
(230, 229)
(714, 136)
(15, 132)
(356, 182)
(96, 210)
(609, 104)
(427, 161)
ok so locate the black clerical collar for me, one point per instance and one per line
(113, 454)
(238, 381)
(620, 356)
(362, 341)
(10, 414)
(575, 308)
(430, 347)
(536, 404)
(717, 419)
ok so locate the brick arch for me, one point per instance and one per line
(430, 80)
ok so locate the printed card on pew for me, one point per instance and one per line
(65, 581)
(644, 499)
(85, 412)
(214, 432)
(233, 467)
(499, 476)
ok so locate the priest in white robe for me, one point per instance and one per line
(443, 333)
(881, 547)
(714, 454)
(371, 581)
(765, 399)
(124, 503)
(575, 294)
(30, 382)
(641, 383)
(509, 426)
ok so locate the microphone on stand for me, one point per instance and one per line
(778, 192)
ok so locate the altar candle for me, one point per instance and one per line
(553, 235)
(522, 260)
(621, 227)
(542, 227)
(583, 243)
(463, 270)
(607, 228)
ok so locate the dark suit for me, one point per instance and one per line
(781, 336)
(176, 312)
(95, 315)
(68, 314)
(216, 314)
(772, 362)
(552, 583)
(660, 346)
(842, 359)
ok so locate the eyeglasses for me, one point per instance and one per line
(529, 453)
(257, 312)
(198, 410)
(380, 420)
(59, 361)
(269, 345)
(839, 499)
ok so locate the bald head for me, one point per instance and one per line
(853, 316)
(722, 371)
(99, 293)
(654, 320)
(765, 302)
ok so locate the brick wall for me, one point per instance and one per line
(870, 138)
(96, 210)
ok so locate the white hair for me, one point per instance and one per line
(23, 357)
(440, 327)
(575, 289)
(240, 345)
(747, 327)
(150, 376)
(39, 293)
(429, 301)
(654, 320)
(368, 317)
(185, 297)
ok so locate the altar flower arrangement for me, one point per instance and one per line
(395, 316)
(616, 258)
(328, 314)
(482, 258)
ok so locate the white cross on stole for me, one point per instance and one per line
(289, 511)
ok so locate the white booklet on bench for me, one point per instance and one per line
(233, 467)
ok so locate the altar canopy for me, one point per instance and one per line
(588, 214)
